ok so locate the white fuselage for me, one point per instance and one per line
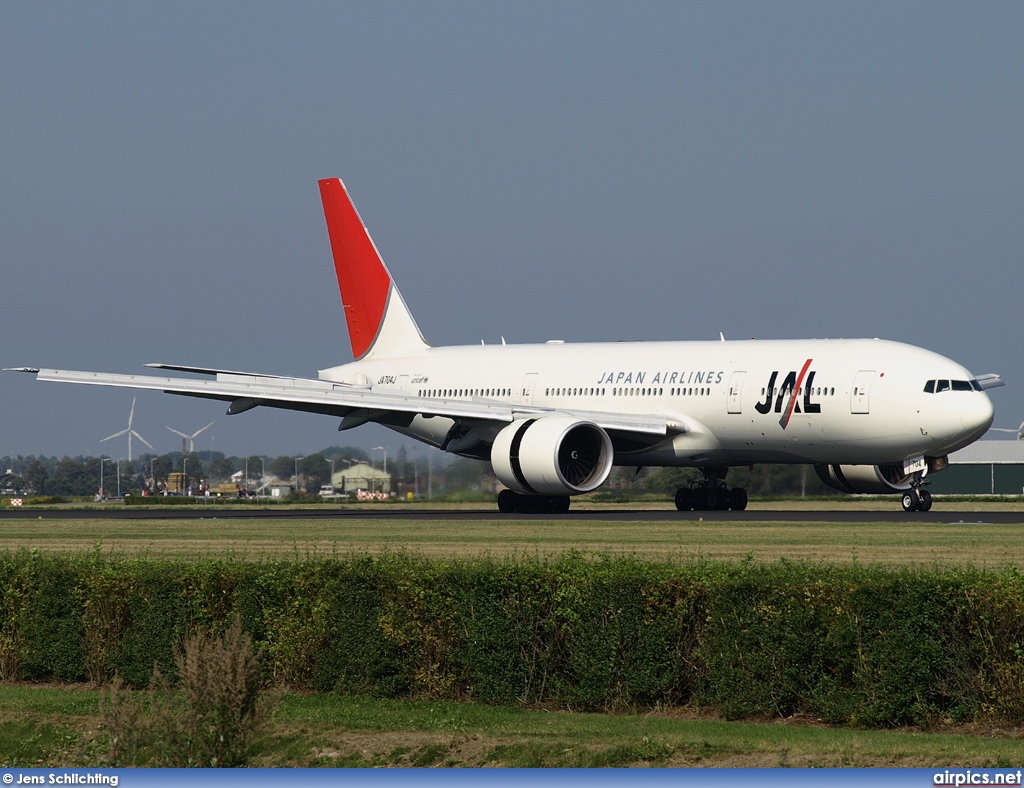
(851, 401)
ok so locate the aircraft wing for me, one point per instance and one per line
(355, 405)
(990, 381)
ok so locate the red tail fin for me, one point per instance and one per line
(363, 279)
(379, 322)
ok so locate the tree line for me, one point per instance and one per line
(423, 475)
(83, 476)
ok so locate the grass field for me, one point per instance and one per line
(61, 727)
(981, 544)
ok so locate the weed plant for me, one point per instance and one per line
(209, 720)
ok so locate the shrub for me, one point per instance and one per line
(848, 644)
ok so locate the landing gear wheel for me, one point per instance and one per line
(684, 500)
(737, 499)
(699, 499)
(911, 503)
(559, 504)
(926, 500)
(508, 502)
(717, 498)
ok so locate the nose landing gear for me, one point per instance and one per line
(917, 499)
(711, 494)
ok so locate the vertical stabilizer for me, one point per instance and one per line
(379, 322)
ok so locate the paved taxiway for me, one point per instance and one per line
(456, 515)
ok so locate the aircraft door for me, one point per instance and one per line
(860, 397)
(736, 392)
(527, 393)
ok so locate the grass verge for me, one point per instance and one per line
(992, 545)
(60, 726)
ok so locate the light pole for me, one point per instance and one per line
(102, 460)
(297, 474)
(119, 478)
(246, 474)
(184, 474)
(331, 480)
(152, 472)
(263, 478)
(383, 449)
(344, 479)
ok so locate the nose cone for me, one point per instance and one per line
(976, 413)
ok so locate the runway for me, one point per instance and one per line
(492, 515)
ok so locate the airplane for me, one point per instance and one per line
(872, 416)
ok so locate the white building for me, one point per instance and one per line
(985, 467)
(361, 477)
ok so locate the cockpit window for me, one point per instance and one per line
(936, 386)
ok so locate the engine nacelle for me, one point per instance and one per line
(864, 478)
(552, 455)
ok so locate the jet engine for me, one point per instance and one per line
(552, 455)
(864, 478)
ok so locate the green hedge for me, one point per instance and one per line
(848, 644)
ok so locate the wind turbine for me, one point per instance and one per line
(190, 438)
(1019, 432)
(129, 431)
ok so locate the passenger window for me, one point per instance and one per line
(942, 385)
(929, 387)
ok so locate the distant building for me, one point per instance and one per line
(983, 468)
(361, 477)
(279, 489)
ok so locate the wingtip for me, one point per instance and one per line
(990, 381)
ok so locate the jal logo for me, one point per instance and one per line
(784, 397)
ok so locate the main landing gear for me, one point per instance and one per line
(510, 502)
(711, 494)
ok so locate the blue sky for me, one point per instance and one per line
(580, 171)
